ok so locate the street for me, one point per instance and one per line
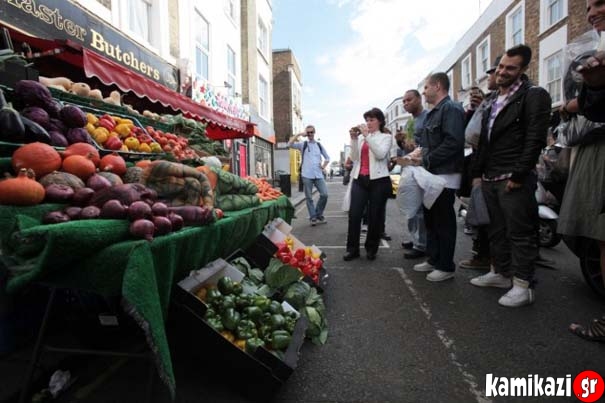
(396, 337)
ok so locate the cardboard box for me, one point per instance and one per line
(263, 373)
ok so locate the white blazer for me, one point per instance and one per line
(380, 146)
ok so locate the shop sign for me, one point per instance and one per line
(61, 19)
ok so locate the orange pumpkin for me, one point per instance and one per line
(143, 163)
(22, 190)
(39, 157)
(113, 163)
(83, 149)
(79, 165)
(210, 174)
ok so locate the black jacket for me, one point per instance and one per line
(443, 138)
(518, 135)
(592, 103)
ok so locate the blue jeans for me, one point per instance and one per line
(417, 230)
(315, 211)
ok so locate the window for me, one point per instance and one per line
(396, 110)
(202, 46)
(482, 57)
(231, 72)
(551, 12)
(450, 76)
(139, 12)
(263, 41)
(231, 8)
(466, 73)
(553, 70)
(263, 93)
(515, 26)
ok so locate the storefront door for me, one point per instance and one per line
(242, 153)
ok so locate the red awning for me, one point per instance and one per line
(220, 126)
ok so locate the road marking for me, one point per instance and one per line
(447, 342)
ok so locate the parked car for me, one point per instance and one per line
(395, 175)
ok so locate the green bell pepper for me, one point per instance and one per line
(230, 318)
(227, 302)
(242, 301)
(253, 343)
(225, 285)
(253, 313)
(280, 339)
(213, 296)
(277, 322)
(210, 313)
(276, 308)
(264, 331)
(237, 288)
(290, 324)
(262, 302)
(215, 323)
(246, 329)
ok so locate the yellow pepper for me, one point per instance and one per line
(241, 344)
(229, 336)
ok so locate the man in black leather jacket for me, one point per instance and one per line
(513, 134)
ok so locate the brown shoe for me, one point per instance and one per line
(474, 264)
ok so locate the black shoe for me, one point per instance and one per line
(407, 245)
(350, 256)
(385, 236)
(371, 255)
(414, 254)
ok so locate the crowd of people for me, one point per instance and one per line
(506, 130)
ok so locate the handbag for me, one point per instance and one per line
(477, 213)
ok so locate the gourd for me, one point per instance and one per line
(22, 190)
(64, 82)
(113, 163)
(111, 177)
(78, 165)
(40, 157)
(62, 178)
(83, 149)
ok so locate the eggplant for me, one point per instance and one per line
(34, 132)
(11, 125)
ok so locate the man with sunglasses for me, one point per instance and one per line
(312, 172)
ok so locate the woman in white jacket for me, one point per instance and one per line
(370, 149)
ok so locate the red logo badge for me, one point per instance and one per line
(588, 386)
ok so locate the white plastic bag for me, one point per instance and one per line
(431, 184)
(473, 129)
(574, 54)
(346, 202)
(409, 194)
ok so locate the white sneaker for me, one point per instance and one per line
(438, 275)
(492, 279)
(519, 295)
(424, 267)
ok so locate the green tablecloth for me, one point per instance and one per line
(99, 256)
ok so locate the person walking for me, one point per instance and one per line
(412, 103)
(442, 155)
(371, 183)
(513, 134)
(314, 160)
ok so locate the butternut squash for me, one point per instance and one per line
(64, 82)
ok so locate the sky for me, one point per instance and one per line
(358, 54)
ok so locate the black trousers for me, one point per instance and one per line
(513, 227)
(374, 194)
(440, 223)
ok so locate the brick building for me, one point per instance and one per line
(287, 108)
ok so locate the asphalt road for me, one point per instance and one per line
(395, 337)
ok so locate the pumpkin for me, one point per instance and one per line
(143, 163)
(111, 177)
(78, 165)
(22, 190)
(39, 157)
(210, 174)
(83, 149)
(62, 178)
(113, 163)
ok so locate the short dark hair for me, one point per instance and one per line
(377, 114)
(520, 50)
(442, 79)
(415, 92)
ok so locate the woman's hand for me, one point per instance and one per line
(354, 134)
(364, 129)
(593, 70)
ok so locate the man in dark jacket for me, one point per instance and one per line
(442, 155)
(513, 134)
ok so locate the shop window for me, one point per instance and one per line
(515, 26)
(482, 57)
(263, 38)
(466, 73)
(263, 167)
(202, 46)
(263, 97)
(232, 10)
(553, 69)
(138, 20)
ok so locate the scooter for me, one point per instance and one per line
(548, 215)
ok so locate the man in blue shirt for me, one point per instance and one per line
(312, 172)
